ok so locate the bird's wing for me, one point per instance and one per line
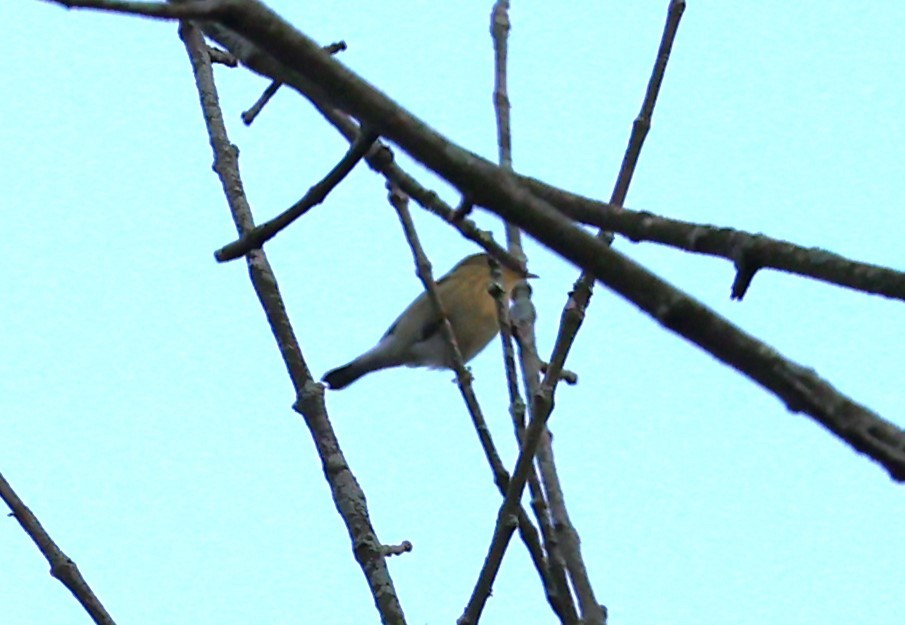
(420, 309)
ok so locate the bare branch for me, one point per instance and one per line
(347, 494)
(249, 116)
(741, 248)
(463, 377)
(541, 407)
(61, 566)
(573, 314)
(258, 236)
(489, 186)
(499, 31)
(516, 404)
(222, 57)
(381, 160)
(523, 315)
(502, 533)
(567, 540)
(641, 125)
(423, 268)
(523, 307)
(191, 9)
(559, 596)
(581, 294)
(397, 550)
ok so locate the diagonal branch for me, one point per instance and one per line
(573, 314)
(380, 158)
(382, 161)
(252, 113)
(744, 249)
(249, 116)
(61, 567)
(542, 405)
(258, 236)
(192, 9)
(464, 378)
(641, 125)
(347, 494)
(522, 316)
(748, 251)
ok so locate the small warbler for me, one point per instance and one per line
(416, 340)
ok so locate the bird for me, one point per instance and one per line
(415, 339)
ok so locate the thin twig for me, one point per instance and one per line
(397, 550)
(335, 47)
(382, 161)
(499, 31)
(563, 538)
(249, 116)
(315, 195)
(346, 493)
(516, 404)
(463, 377)
(505, 525)
(567, 539)
(222, 57)
(252, 113)
(567, 376)
(541, 406)
(522, 316)
(399, 201)
(559, 596)
(380, 158)
(61, 566)
(500, 26)
(640, 128)
(573, 314)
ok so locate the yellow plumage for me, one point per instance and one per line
(415, 338)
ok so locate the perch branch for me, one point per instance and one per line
(500, 26)
(463, 377)
(542, 405)
(523, 316)
(347, 494)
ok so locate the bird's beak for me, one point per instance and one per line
(529, 275)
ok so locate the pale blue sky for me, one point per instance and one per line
(145, 413)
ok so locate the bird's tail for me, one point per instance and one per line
(341, 377)
(379, 357)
